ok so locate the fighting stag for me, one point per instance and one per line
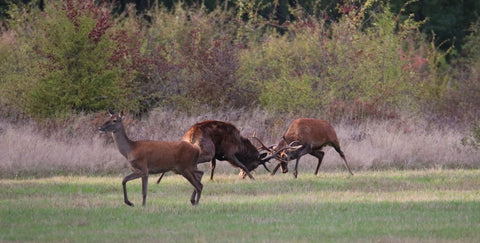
(306, 136)
(153, 157)
(218, 140)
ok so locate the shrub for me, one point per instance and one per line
(70, 60)
(19, 66)
(194, 60)
(349, 63)
(473, 139)
(461, 96)
(368, 62)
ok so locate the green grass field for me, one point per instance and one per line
(385, 206)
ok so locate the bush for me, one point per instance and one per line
(19, 66)
(194, 60)
(349, 63)
(473, 139)
(461, 97)
(75, 57)
(70, 62)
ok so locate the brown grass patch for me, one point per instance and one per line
(77, 147)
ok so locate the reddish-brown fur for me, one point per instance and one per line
(308, 136)
(152, 157)
(222, 141)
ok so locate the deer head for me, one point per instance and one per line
(282, 152)
(114, 123)
(287, 152)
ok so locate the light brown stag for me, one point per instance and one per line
(153, 157)
(306, 136)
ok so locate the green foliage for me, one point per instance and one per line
(447, 21)
(294, 94)
(473, 139)
(19, 66)
(371, 67)
(69, 63)
(366, 61)
(194, 59)
(462, 94)
(78, 76)
(347, 64)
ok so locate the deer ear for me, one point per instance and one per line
(122, 114)
(110, 112)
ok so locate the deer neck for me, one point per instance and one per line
(282, 144)
(124, 144)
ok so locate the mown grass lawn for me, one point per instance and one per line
(424, 205)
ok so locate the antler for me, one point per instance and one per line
(263, 146)
(263, 163)
(291, 144)
(274, 155)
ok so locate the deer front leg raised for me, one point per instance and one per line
(127, 178)
(233, 159)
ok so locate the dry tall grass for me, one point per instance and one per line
(79, 148)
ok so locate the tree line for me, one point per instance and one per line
(333, 59)
(449, 20)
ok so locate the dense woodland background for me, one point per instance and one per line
(332, 58)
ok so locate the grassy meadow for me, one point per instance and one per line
(413, 182)
(404, 109)
(384, 206)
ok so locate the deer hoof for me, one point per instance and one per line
(129, 203)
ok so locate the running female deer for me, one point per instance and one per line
(153, 157)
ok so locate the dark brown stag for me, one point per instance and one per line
(306, 136)
(153, 157)
(217, 140)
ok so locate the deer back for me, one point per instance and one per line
(161, 156)
(222, 139)
(313, 132)
(222, 135)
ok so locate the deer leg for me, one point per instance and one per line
(275, 169)
(337, 148)
(198, 176)
(319, 154)
(295, 171)
(213, 164)
(144, 188)
(242, 174)
(299, 155)
(193, 179)
(124, 184)
(159, 179)
(232, 159)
